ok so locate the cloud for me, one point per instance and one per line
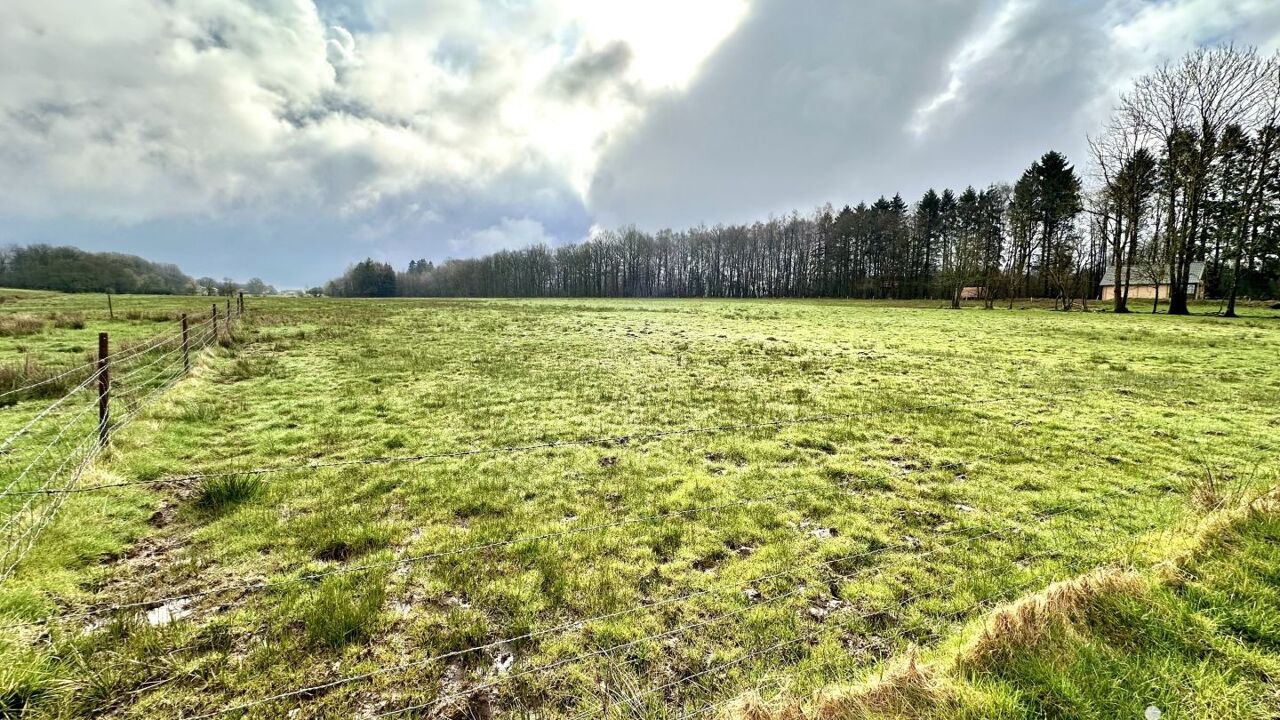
(810, 102)
(143, 110)
(287, 138)
(586, 73)
(509, 234)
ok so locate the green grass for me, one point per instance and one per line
(931, 462)
(221, 493)
(1199, 638)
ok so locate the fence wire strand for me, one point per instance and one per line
(613, 615)
(494, 545)
(577, 442)
(19, 542)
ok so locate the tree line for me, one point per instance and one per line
(1186, 171)
(69, 269)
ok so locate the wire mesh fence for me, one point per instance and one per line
(45, 458)
(48, 457)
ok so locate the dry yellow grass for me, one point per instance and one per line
(907, 688)
(1062, 607)
(910, 688)
(1212, 530)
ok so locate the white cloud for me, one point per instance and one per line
(129, 110)
(509, 234)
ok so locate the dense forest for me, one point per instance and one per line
(68, 269)
(1187, 170)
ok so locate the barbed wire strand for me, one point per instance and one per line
(814, 634)
(797, 591)
(36, 529)
(608, 616)
(131, 390)
(69, 371)
(134, 371)
(1073, 567)
(8, 491)
(578, 442)
(497, 544)
(13, 437)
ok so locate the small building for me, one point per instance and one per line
(1145, 281)
(973, 293)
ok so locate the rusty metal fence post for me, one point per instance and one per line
(186, 347)
(104, 389)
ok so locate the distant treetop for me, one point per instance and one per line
(68, 269)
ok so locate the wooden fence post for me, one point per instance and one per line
(215, 321)
(110, 311)
(240, 305)
(228, 318)
(186, 347)
(104, 389)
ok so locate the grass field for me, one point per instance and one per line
(605, 508)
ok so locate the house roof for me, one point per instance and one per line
(1146, 274)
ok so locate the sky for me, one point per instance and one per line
(287, 139)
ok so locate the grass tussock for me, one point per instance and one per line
(1213, 530)
(69, 321)
(19, 325)
(49, 380)
(342, 609)
(246, 367)
(218, 494)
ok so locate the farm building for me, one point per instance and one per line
(1145, 281)
(973, 293)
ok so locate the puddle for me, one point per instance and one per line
(168, 612)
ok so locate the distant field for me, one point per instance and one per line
(630, 508)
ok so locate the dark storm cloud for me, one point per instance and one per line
(804, 94)
(588, 73)
(813, 102)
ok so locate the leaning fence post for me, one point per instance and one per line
(240, 305)
(228, 318)
(186, 347)
(104, 389)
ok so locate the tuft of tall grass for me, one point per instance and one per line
(342, 608)
(30, 372)
(217, 494)
(20, 325)
(23, 678)
(246, 367)
(68, 321)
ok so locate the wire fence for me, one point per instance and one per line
(567, 530)
(794, 572)
(44, 460)
(60, 443)
(604, 440)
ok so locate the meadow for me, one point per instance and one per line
(659, 509)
